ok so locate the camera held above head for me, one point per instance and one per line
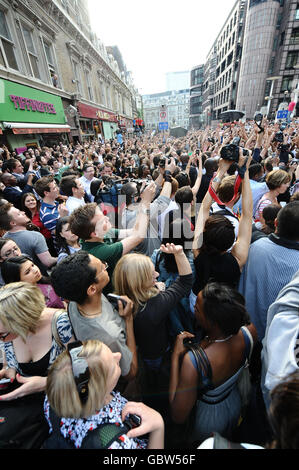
(162, 162)
(231, 153)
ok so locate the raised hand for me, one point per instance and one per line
(171, 249)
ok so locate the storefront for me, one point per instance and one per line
(125, 124)
(30, 117)
(95, 122)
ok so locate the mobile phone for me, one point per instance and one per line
(4, 381)
(190, 341)
(113, 299)
(133, 421)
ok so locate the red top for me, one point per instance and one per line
(44, 231)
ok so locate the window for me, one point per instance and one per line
(292, 60)
(89, 87)
(297, 13)
(286, 84)
(31, 52)
(77, 77)
(51, 63)
(7, 55)
(294, 36)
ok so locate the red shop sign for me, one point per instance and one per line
(94, 113)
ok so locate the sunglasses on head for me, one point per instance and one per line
(80, 370)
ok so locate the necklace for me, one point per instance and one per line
(89, 315)
(218, 340)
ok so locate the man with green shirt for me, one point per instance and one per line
(104, 242)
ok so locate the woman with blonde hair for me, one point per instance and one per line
(80, 400)
(135, 276)
(33, 337)
(278, 182)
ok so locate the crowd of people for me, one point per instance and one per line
(150, 291)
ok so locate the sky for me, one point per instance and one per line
(159, 36)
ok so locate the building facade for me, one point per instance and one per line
(196, 97)
(170, 107)
(222, 67)
(269, 68)
(57, 79)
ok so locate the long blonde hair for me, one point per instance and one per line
(21, 306)
(133, 277)
(61, 388)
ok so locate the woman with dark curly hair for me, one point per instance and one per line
(209, 379)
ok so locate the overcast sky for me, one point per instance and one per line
(159, 36)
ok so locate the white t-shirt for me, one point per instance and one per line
(209, 444)
(73, 203)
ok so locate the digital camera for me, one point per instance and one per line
(231, 153)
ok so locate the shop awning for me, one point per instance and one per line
(25, 128)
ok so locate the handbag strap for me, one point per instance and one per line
(203, 363)
(55, 334)
(250, 339)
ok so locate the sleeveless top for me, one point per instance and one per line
(215, 268)
(218, 408)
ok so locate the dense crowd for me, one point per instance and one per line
(150, 291)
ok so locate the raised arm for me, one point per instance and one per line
(204, 211)
(241, 247)
(199, 176)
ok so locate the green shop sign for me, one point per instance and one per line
(20, 103)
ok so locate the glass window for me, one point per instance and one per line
(31, 52)
(89, 87)
(292, 59)
(294, 36)
(7, 53)
(286, 84)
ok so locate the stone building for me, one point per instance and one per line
(57, 80)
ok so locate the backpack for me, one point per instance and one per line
(100, 438)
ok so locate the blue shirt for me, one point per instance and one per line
(49, 215)
(258, 190)
(268, 269)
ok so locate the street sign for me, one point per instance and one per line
(163, 114)
(283, 114)
(163, 126)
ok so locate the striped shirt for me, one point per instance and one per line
(49, 215)
(269, 268)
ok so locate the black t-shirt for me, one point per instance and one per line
(150, 323)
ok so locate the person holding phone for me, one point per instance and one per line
(80, 279)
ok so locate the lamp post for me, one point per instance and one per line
(270, 97)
